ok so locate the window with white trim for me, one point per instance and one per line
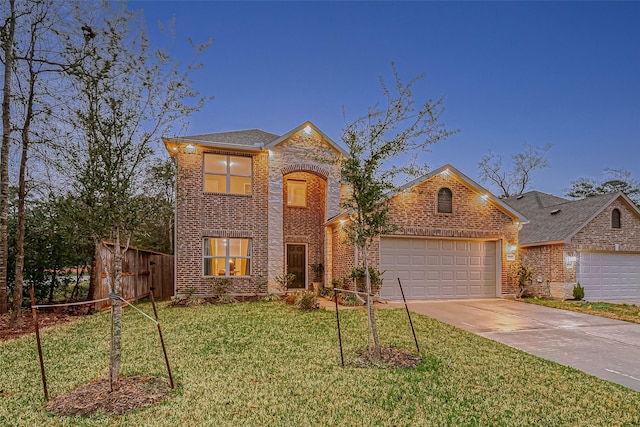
(224, 256)
(227, 174)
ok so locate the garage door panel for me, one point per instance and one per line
(609, 275)
(439, 269)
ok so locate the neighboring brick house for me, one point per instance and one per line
(251, 205)
(594, 241)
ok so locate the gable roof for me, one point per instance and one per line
(468, 182)
(556, 220)
(301, 128)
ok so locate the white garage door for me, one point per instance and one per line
(431, 269)
(609, 275)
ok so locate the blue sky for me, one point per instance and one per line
(560, 73)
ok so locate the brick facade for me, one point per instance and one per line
(261, 216)
(306, 224)
(415, 212)
(596, 236)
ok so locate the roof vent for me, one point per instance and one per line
(520, 196)
(555, 211)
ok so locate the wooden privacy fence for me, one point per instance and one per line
(141, 270)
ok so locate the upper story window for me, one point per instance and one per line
(227, 257)
(227, 174)
(296, 193)
(445, 201)
(615, 218)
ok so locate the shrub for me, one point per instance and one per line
(271, 297)
(350, 300)
(521, 274)
(284, 281)
(358, 274)
(578, 292)
(220, 285)
(325, 292)
(306, 300)
(227, 299)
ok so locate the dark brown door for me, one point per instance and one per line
(296, 265)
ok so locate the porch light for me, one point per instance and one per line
(175, 148)
(342, 221)
(445, 173)
(307, 130)
(511, 249)
(484, 198)
(190, 148)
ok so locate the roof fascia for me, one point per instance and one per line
(547, 243)
(208, 144)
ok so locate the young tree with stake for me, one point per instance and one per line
(377, 142)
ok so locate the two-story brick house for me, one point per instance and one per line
(252, 204)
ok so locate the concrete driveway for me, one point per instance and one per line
(606, 348)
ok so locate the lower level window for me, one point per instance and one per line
(227, 257)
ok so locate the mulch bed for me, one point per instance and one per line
(390, 358)
(25, 325)
(195, 301)
(133, 393)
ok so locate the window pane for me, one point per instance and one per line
(215, 247)
(240, 185)
(445, 201)
(215, 183)
(297, 193)
(240, 166)
(239, 247)
(242, 267)
(214, 267)
(215, 163)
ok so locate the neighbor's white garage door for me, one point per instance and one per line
(609, 275)
(431, 269)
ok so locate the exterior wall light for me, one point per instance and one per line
(190, 148)
(484, 198)
(510, 252)
(570, 261)
(342, 221)
(445, 173)
(307, 130)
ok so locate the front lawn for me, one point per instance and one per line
(270, 364)
(626, 312)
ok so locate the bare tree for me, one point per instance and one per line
(7, 34)
(127, 95)
(514, 181)
(375, 141)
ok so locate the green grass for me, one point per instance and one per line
(626, 312)
(271, 364)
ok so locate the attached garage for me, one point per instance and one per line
(609, 276)
(438, 268)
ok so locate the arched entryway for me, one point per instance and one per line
(304, 215)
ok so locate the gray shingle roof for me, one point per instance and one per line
(250, 137)
(552, 218)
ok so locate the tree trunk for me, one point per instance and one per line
(94, 278)
(116, 316)
(7, 47)
(22, 191)
(371, 313)
(52, 288)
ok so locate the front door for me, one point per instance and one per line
(296, 265)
